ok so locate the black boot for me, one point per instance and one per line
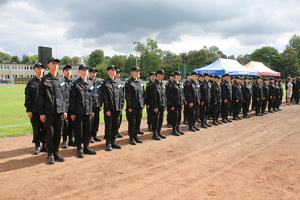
(97, 139)
(137, 140)
(37, 149)
(218, 121)
(131, 140)
(215, 122)
(58, 157)
(64, 143)
(150, 128)
(108, 146)
(44, 147)
(155, 135)
(162, 136)
(207, 124)
(115, 145)
(179, 131)
(196, 128)
(228, 120)
(80, 153)
(174, 132)
(203, 125)
(191, 128)
(50, 159)
(88, 150)
(224, 121)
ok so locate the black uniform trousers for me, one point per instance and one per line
(157, 119)
(236, 107)
(38, 128)
(215, 110)
(271, 104)
(169, 115)
(111, 125)
(176, 116)
(246, 104)
(185, 112)
(278, 103)
(264, 104)
(95, 122)
(192, 114)
(149, 117)
(134, 120)
(204, 111)
(296, 96)
(54, 126)
(225, 109)
(82, 128)
(258, 106)
(253, 103)
(68, 128)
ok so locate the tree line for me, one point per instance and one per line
(151, 58)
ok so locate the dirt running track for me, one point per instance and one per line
(257, 158)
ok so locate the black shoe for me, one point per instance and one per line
(50, 160)
(185, 122)
(72, 143)
(44, 147)
(88, 150)
(257, 114)
(275, 110)
(156, 137)
(80, 153)
(215, 123)
(210, 118)
(271, 111)
(245, 116)
(224, 121)
(140, 133)
(248, 116)
(228, 120)
(108, 146)
(138, 140)
(218, 122)
(59, 157)
(119, 135)
(174, 132)
(132, 141)
(92, 140)
(179, 131)
(169, 126)
(150, 129)
(191, 128)
(239, 117)
(97, 139)
(208, 125)
(37, 150)
(116, 146)
(162, 136)
(203, 125)
(64, 145)
(235, 118)
(196, 128)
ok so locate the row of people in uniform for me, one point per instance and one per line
(292, 89)
(55, 104)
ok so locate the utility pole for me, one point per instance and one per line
(136, 58)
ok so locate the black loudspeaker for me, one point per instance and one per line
(44, 54)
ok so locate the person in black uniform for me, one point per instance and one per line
(113, 101)
(117, 77)
(152, 77)
(68, 123)
(205, 88)
(135, 98)
(215, 100)
(296, 89)
(192, 100)
(247, 94)
(258, 95)
(280, 96)
(200, 80)
(277, 95)
(226, 91)
(53, 109)
(176, 103)
(97, 105)
(286, 87)
(31, 104)
(188, 79)
(169, 116)
(253, 98)
(82, 109)
(158, 104)
(237, 98)
(265, 88)
(271, 96)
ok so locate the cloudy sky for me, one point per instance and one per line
(81, 26)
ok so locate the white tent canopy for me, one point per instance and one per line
(262, 69)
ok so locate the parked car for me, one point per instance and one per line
(5, 81)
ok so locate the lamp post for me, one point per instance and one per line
(136, 58)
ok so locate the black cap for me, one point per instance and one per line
(206, 74)
(118, 70)
(226, 75)
(171, 74)
(217, 76)
(211, 76)
(289, 75)
(93, 69)
(194, 73)
(52, 59)
(200, 75)
(67, 67)
(160, 71)
(246, 77)
(111, 67)
(258, 77)
(82, 67)
(151, 73)
(294, 76)
(276, 80)
(271, 78)
(265, 79)
(232, 77)
(237, 77)
(39, 65)
(187, 74)
(242, 78)
(177, 73)
(280, 81)
(135, 68)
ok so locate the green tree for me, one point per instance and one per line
(85, 59)
(184, 57)
(25, 59)
(244, 59)
(295, 43)
(4, 57)
(288, 62)
(15, 59)
(268, 55)
(231, 57)
(95, 58)
(129, 62)
(65, 60)
(197, 57)
(75, 60)
(33, 59)
(118, 61)
(168, 57)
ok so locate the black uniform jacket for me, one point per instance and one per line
(158, 96)
(81, 97)
(271, 89)
(205, 91)
(147, 98)
(32, 100)
(257, 90)
(68, 91)
(226, 90)
(247, 91)
(52, 95)
(265, 89)
(134, 93)
(175, 94)
(237, 92)
(97, 102)
(192, 92)
(215, 93)
(277, 91)
(112, 95)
